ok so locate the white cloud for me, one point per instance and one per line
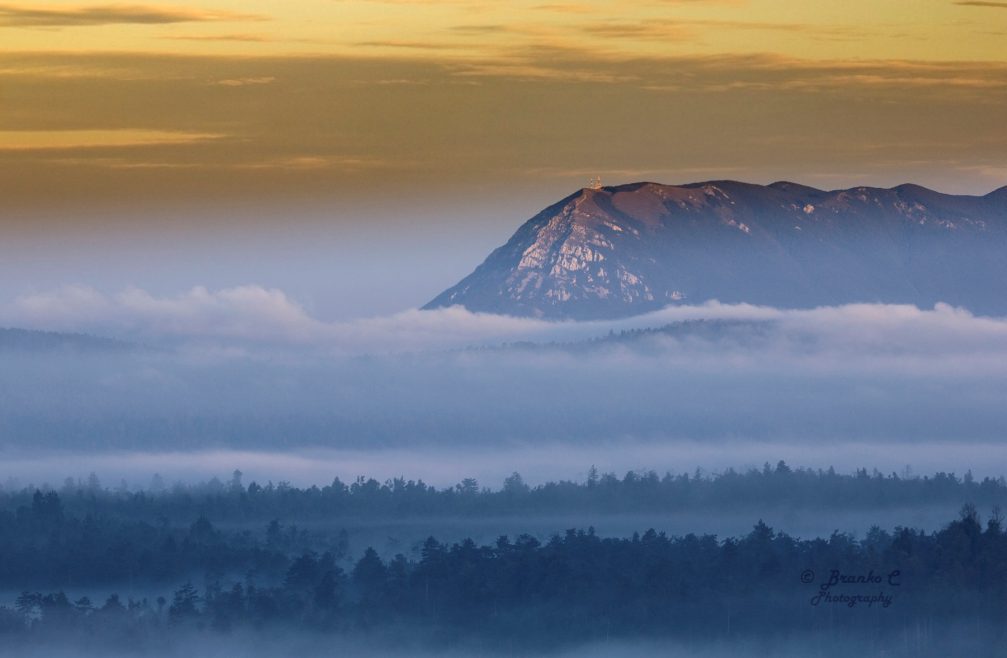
(71, 306)
(255, 313)
(864, 373)
(249, 315)
(244, 312)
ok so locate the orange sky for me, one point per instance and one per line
(144, 103)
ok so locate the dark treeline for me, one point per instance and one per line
(580, 587)
(42, 545)
(87, 535)
(233, 501)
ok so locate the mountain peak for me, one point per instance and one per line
(999, 193)
(788, 186)
(625, 249)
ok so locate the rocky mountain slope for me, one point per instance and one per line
(628, 249)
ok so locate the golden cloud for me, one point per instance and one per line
(329, 125)
(244, 82)
(68, 139)
(981, 3)
(249, 38)
(21, 15)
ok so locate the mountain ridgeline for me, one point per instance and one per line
(629, 249)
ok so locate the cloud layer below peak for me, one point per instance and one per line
(252, 369)
(252, 315)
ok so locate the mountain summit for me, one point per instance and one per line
(628, 249)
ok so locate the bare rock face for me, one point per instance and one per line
(624, 250)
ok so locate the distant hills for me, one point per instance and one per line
(749, 333)
(27, 340)
(628, 249)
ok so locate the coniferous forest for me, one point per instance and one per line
(86, 565)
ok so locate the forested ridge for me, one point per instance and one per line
(605, 492)
(63, 554)
(579, 586)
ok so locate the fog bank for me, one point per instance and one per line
(438, 395)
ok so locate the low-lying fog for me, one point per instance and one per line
(245, 378)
